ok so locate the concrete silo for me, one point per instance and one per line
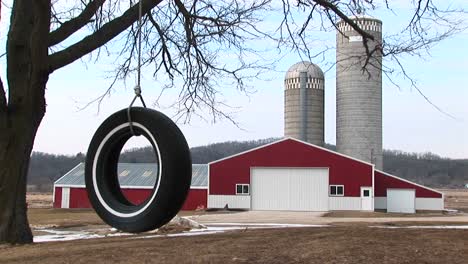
(304, 103)
(359, 92)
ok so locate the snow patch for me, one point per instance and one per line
(425, 227)
(272, 225)
(59, 235)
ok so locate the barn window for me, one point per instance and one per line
(242, 189)
(336, 190)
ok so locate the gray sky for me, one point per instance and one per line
(409, 122)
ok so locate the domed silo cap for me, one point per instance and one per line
(313, 71)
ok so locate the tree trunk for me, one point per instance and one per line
(22, 112)
(16, 143)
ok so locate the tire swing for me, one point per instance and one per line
(173, 176)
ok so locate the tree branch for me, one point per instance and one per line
(99, 38)
(329, 5)
(73, 25)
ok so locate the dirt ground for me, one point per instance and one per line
(347, 238)
(350, 244)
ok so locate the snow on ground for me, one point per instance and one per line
(67, 235)
(426, 227)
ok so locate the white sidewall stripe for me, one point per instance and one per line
(96, 157)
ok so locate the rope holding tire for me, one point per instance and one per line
(173, 159)
(173, 176)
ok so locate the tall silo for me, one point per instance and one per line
(359, 91)
(304, 103)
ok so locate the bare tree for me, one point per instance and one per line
(429, 24)
(182, 40)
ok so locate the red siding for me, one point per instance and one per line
(197, 198)
(137, 196)
(383, 182)
(79, 197)
(58, 197)
(289, 153)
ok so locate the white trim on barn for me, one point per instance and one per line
(435, 204)
(232, 201)
(344, 203)
(429, 204)
(125, 187)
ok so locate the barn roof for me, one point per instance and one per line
(135, 175)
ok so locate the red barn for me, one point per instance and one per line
(136, 181)
(293, 175)
(288, 174)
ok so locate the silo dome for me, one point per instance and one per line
(304, 103)
(312, 70)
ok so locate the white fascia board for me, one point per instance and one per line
(410, 182)
(124, 187)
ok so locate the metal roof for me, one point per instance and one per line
(135, 175)
(312, 70)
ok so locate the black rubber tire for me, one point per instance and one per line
(174, 170)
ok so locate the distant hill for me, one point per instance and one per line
(424, 168)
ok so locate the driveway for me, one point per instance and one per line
(312, 218)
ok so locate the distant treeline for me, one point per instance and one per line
(424, 168)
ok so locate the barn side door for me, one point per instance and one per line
(366, 199)
(65, 198)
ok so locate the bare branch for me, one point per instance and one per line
(71, 26)
(333, 6)
(99, 38)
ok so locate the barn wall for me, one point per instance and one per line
(137, 196)
(420, 203)
(383, 182)
(380, 202)
(225, 174)
(344, 203)
(429, 204)
(233, 201)
(79, 197)
(58, 197)
(197, 198)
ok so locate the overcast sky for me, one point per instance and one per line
(409, 122)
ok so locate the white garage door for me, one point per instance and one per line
(289, 189)
(400, 200)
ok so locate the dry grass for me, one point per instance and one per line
(346, 244)
(340, 243)
(456, 199)
(39, 200)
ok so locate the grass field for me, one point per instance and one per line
(341, 242)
